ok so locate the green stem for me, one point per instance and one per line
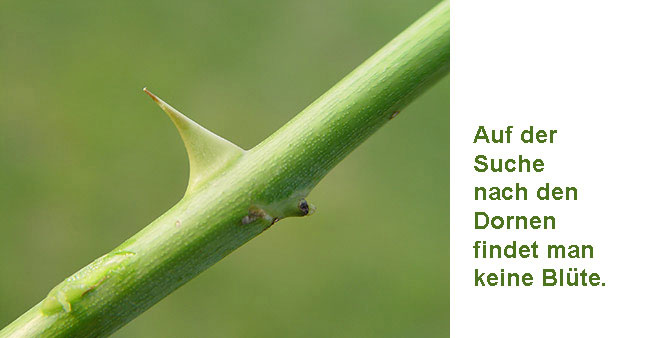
(264, 184)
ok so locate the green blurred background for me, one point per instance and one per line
(86, 160)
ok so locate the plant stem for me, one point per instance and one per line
(263, 185)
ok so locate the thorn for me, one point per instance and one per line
(208, 153)
(176, 116)
(155, 98)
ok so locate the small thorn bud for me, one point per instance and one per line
(305, 207)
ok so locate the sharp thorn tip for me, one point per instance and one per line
(155, 98)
